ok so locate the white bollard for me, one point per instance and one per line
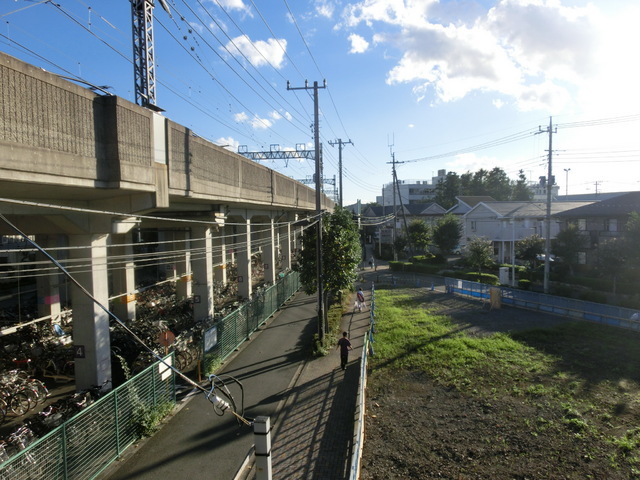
(262, 441)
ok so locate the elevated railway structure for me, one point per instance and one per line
(92, 177)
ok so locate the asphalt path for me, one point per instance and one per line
(197, 442)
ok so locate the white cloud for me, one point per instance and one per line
(325, 8)
(241, 117)
(229, 143)
(259, 53)
(233, 5)
(275, 115)
(537, 52)
(358, 44)
(260, 123)
(255, 121)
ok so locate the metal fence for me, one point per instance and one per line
(220, 340)
(358, 431)
(86, 444)
(562, 306)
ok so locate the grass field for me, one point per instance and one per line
(570, 391)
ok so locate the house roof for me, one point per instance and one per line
(467, 202)
(620, 205)
(588, 197)
(527, 209)
(414, 209)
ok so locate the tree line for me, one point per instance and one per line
(494, 183)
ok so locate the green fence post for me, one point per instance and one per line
(65, 463)
(153, 386)
(117, 423)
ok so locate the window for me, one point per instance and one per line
(582, 224)
(611, 225)
(473, 225)
(582, 258)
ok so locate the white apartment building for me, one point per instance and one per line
(411, 191)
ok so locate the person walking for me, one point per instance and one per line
(344, 345)
(360, 303)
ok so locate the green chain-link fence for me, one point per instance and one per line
(227, 334)
(86, 444)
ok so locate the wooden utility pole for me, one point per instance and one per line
(322, 326)
(340, 143)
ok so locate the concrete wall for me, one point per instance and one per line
(56, 133)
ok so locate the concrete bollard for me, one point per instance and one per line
(262, 442)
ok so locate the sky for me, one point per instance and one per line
(454, 85)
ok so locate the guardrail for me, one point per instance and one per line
(561, 306)
(86, 444)
(358, 430)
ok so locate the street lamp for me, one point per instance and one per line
(566, 182)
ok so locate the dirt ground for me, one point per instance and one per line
(418, 429)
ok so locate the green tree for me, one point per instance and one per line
(529, 248)
(341, 254)
(631, 235)
(568, 244)
(447, 190)
(479, 253)
(611, 258)
(478, 183)
(520, 191)
(498, 185)
(400, 243)
(419, 234)
(447, 234)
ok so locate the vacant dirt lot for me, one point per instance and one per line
(418, 428)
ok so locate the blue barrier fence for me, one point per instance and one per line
(561, 306)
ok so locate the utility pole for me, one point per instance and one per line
(566, 181)
(340, 143)
(322, 326)
(550, 182)
(394, 220)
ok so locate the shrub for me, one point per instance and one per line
(398, 266)
(437, 259)
(524, 284)
(487, 278)
(593, 296)
(148, 418)
(563, 291)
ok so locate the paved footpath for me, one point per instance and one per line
(310, 402)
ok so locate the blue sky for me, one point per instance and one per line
(454, 85)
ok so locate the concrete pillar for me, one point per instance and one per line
(123, 276)
(245, 287)
(48, 286)
(202, 268)
(220, 256)
(269, 254)
(182, 264)
(91, 340)
(285, 248)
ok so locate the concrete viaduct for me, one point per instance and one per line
(88, 172)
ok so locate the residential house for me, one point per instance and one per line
(600, 221)
(504, 223)
(467, 202)
(378, 222)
